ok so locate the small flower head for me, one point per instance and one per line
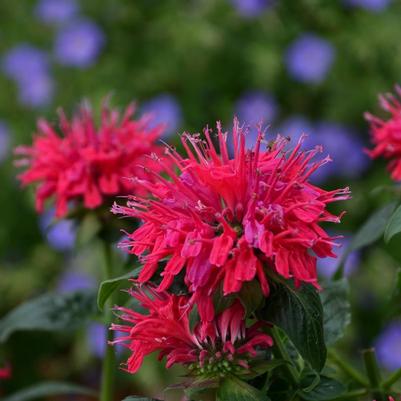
(56, 11)
(88, 163)
(386, 134)
(225, 221)
(309, 58)
(78, 44)
(210, 349)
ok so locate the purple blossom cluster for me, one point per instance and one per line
(369, 5)
(251, 8)
(334, 138)
(77, 43)
(309, 58)
(164, 109)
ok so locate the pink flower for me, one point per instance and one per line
(386, 134)
(229, 220)
(223, 345)
(88, 163)
(5, 372)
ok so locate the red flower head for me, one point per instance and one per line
(88, 163)
(232, 220)
(212, 348)
(5, 372)
(386, 134)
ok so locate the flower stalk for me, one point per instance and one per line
(109, 361)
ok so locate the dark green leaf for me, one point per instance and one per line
(299, 312)
(234, 389)
(327, 389)
(336, 310)
(394, 225)
(371, 230)
(50, 312)
(251, 297)
(47, 389)
(107, 287)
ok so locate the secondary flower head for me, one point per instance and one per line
(88, 163)
(226, 221)
(388, 346)
(210, 349)
(386, 134)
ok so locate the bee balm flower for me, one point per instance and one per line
(386, 134)
(223, 346)
(87, 163)
(5, 372)
(228, 221)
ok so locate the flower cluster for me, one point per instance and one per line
(224, 345)
(89, 163)
(386, 134)
(224, 221)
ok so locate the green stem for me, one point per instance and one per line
(347, 368)
(280, 352)
(373, 372)
(351, 394)
(392, 379)
(109, 361)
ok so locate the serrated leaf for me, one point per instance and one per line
(327, 389)
(394, 225)
(336, 310)
(299, 313)
(107, 287)
(234, 389)
(47, 389)
(50, 312)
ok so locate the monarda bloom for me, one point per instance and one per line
(386, 134)
(222, 221)
(87, 163)
(213, 349)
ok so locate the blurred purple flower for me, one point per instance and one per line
(60, 234)
(255, 107)
(388, 346)
(328, 266)
(294, 126)
(56, 11)
(165, 110)
(4, 140)
(36, 90)
(23, 61)
(309, 58)
(370, 5)
(345, 149)
(251, 8)
(96, 337)
(71, 281)
(78, 44)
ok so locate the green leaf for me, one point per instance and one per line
(50, 312)
(89, 227)
(327, 389)
(251, 297)
(107, 287)
(47, 389)
(299, 312)
(234, 389)
(336, 310)
(137, 398)
(394, 225)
